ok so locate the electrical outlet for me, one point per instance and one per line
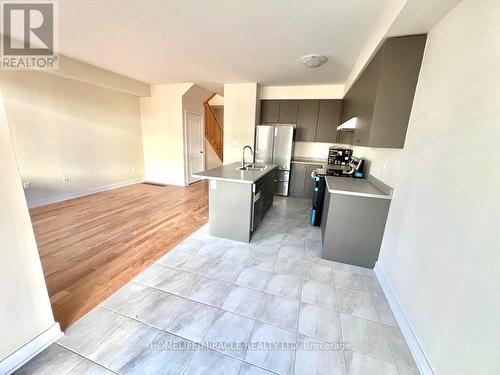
(26, 185)
(134, 170)
(66, 180)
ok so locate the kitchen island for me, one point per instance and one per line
(238, 198)
(354, 216)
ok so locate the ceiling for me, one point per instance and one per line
(218, 41)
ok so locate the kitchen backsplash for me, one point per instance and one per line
(380, 162)
(313, 150)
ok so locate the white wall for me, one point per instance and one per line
(440, 250)
(163, 130)
(217, 100)
(211, 158)
(163, 134)
(25, 310)
(67, 128)
(382, 163)
(302, 92)
(399, 17)
(80, 71)
(193, 100)
(241, 111)
(375, 40)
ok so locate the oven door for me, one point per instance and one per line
(257, 209)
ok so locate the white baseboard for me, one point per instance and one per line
(416, 349)
(31, 349)
(81, 193)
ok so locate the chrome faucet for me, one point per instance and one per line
(243, 155)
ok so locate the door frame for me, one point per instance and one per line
(186, 143)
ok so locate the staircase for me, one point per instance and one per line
(213, 131)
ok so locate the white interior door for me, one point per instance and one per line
(195, 145)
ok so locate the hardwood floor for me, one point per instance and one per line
(91, 246)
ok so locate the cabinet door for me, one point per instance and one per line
(297, 179)
(360, 100)
(307, 120)
(309, 183)
(396, 90)
(382, 96)
(328, 120)
(288, 111)
(269, 110)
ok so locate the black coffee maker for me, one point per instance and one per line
(342, 163)
(356, 166)
(338, 161)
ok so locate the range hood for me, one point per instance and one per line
(348, 125)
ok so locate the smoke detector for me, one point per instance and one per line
(313, 61)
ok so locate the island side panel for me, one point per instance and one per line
(230, 210)
(354, 229)
(324, 215)
(268, 180)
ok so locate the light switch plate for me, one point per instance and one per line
(213, 184)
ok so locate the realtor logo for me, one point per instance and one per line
(30, 35)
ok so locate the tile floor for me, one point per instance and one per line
(213, 306)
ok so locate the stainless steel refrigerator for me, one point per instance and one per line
(273, 145)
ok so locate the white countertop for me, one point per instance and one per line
(360, 187)
(231, 173)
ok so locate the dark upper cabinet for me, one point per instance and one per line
(307, 120)
(360, 100)
(316, 120)
(328, 119)
(382, 96)
(269, 111)
(288, 111)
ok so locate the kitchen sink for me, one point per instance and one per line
(253, 167)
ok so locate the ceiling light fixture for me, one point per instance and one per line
(313, 61)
